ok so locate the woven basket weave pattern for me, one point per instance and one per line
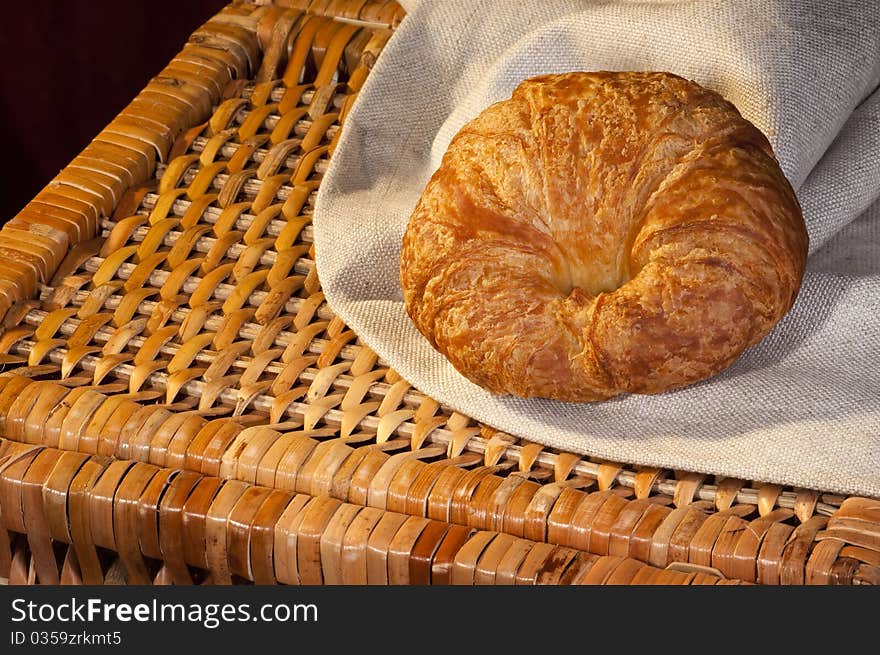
(179, 405)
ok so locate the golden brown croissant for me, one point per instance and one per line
(602, 233)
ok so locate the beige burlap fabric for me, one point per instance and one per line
(800, 408)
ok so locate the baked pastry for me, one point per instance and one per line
(602, 233)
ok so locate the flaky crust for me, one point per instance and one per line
(602, 233)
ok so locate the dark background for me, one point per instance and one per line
(67, 67)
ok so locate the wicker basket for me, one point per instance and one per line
(179, 405)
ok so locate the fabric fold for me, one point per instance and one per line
(802, 407)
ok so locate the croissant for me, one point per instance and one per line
(602, 233)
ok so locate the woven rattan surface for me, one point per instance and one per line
(179, 405)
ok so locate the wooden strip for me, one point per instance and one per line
(125, 519)
(35, 520)
(262, 537)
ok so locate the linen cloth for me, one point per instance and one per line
(803, 406)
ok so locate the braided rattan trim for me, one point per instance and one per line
(171, 526)
(460, 489)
